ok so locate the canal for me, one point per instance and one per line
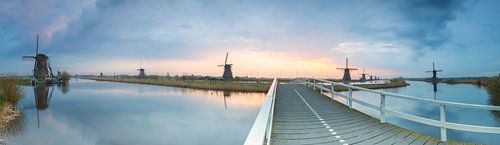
(102, 113)
(464, 93)
(105, 113)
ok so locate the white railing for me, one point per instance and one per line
(260, 133)
(383, 111)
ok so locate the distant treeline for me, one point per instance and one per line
(448, 78)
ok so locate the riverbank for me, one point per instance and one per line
(243, 86)
(474, 82)
(10, 94)
(390, 84)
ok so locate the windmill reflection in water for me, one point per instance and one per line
(43, 94)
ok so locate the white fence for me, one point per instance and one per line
(261, 130)
(442, 123)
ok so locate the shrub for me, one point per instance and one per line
(493, 86)
(65, 76)
(10, 90)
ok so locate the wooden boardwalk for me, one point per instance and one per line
(304, 116)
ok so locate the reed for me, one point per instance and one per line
(10, 90)
(493, 87)
(10, 94)
(474, 82)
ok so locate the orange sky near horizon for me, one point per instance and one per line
(245, 63)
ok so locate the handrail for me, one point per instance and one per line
(424, 100)
(261, 130)
(442, 123)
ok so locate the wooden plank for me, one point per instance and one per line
(296, 123)
(396, 138)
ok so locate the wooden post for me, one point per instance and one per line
(321, 88)
(332, 91)
(382, 108)
(349, 100)
(314, 85)
(442, 114)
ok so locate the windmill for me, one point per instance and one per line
(347, 74)
(142, 73)
(363, 76)
(42, 72)
(434, 73)
(228, 73)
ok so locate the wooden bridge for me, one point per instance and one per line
(301, 113)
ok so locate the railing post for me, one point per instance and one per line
(349, 100)
(321, 88)
(333, 90)
(442, 114)
(314, 85)
(382, 108)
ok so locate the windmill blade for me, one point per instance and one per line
(439, 70)
(51, 92)
(225, 62)
(50, 69)
(352, 68)
(36, 52)
(341, 68)
(229, 64)
(220, 65)
(28, 58)
(428, 71)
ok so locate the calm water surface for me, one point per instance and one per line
(106, 113)
(464, 93)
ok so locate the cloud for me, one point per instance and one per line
(85, 33)
(427, 21)
(369, 47)
(421, 24)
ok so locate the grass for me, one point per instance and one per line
(11, 93)
(392, 84)
(493, 88)
(475, 82)
(10, 90)
(244, 86)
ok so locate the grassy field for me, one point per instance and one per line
(239, 85)
(474, 82)
(391, 84)
(244, 86)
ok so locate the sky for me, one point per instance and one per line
(264, 38)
